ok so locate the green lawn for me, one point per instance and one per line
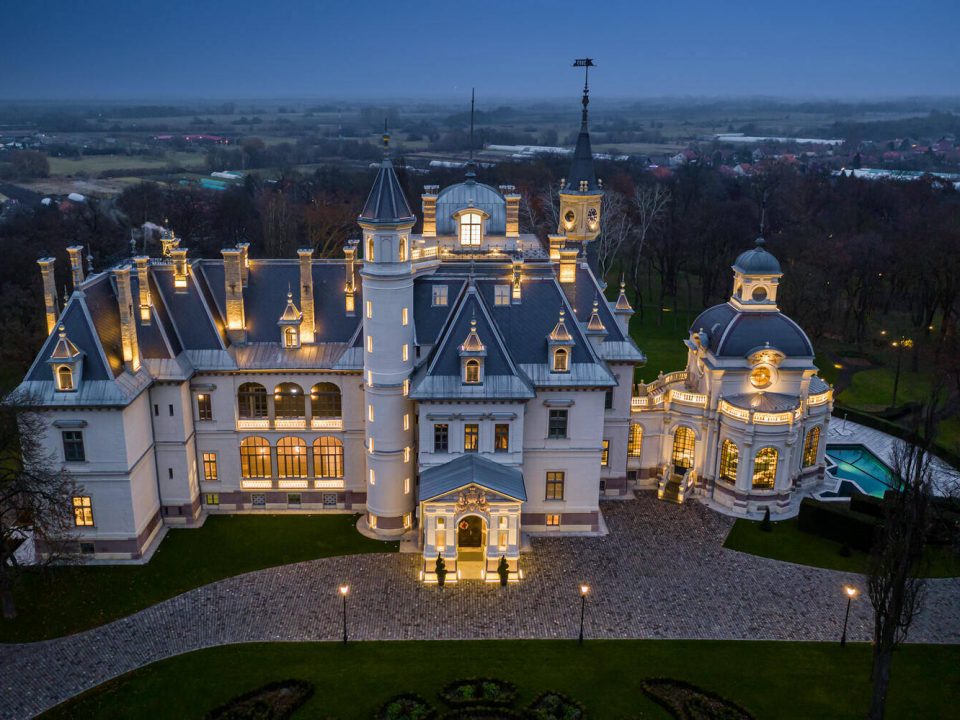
(872, 390)
(69, 599)
(95, 164)
(772, 680)
(786, 542)
(662, 344)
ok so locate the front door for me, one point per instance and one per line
(470, 533)
(470, 547)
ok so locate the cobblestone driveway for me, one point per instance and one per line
(660, 573)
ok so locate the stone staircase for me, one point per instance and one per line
(675, 487)
(671, 489)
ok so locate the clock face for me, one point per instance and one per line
(592, 216)
(761, 377)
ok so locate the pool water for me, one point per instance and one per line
(859, 470)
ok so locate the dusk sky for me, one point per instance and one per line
(254, 49)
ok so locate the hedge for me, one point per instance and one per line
(479, 691)
(838, 523)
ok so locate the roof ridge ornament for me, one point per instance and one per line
(586, 64)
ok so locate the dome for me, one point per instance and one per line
(757, 261)
(732, 333)
(471, 194)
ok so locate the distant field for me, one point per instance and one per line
(95, 164)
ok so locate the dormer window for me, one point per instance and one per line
(472, 352)
(291, 338)
(561, 360)
(65, 378)
(471, 373)
(471, 229)
(560, 343)
(66, 363)
(289, 324)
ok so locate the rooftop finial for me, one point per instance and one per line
(471, 165)
(386, 139)
(586, 64)
(763, 216)
(89, 261)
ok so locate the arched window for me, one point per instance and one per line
(635, 441)
(560, 360)
(255, 458)
(292, 457)
(471, 372)
(288, 401)
(729, 458)
(64, 377)
(471, 225)
(765, 468)
(369, 257)
(402, 250)
(811, 444)
(252, 401)
(327, 457)
(684, 444)
(290, 339)
(325, 401)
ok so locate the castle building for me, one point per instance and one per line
(463, 386)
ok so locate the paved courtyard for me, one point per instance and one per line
(660, 573)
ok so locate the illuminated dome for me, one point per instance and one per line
(471, 194)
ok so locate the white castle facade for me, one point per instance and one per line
(463, 385)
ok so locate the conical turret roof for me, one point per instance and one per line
(386, 202)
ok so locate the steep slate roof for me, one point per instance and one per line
(734, 333)
(468, 469)
(386, 202)
(82, 333)
(757, 261)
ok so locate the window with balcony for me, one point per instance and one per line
(471, 229)
(292, 457)
(325, 402)
(289, 402)
(252, 401)
(684, 445)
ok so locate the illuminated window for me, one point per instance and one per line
(402, 249)
(441, 438)
(765, 468)
(441, 533)
(210, 467)
(212, 498)
(405, 352)
(557, 427)
(64, 377)
(289, 402)
(811, 445)
(501, 437)
(560, 360)
(404, 316)
(471, 227)
(370, 444)
(553, 520)
(373, 477)
(729, 459)
(291, 337)
(292, 457)
(369, 309)
(406, 454)
(252, 401)
(325, 401)
(406, 421)
(73, 446)
(471, 437)
(502, 534)
(255, 458)
(406, 387)
(372, 521)
(684, 444)
(635, 441)
(501, 294)
(605, 454)
(471, 372)
(369, 343)
(440, 295)
(555, 485)
(370, 378)
(83, 511)
(370, 413)
(204, 407)
(370, 249)
(408, 520)
(406, 486)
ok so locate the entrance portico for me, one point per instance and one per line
(470, 516)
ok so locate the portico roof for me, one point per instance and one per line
(471, 469)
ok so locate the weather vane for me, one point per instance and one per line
(586, 64)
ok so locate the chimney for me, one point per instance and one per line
(429, 200)
(307, 324)
(179, 256)
(143, 282)
(556, 242)
(128, 324)
(233, 284)
(350, 283)
(76, 264)
(568, 265)
(49, 292)
(513, 210)
(244, 249)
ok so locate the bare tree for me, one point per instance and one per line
(550, 208)
(35, 495)
(650, 202)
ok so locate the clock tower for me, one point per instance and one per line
(581, 193)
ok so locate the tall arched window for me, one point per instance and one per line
(729, 459)
(327, 457)
(292, 457)
(471, 227)
(684, 444)
(471, 372)
(255, 458)
(811, 444)
(291, 338)
(561, 360)
(369, 257)
(402, 250)
(288, 401)
(325, 401)
(64, 377)
(765, 468)
(635, 441)
(252, 401)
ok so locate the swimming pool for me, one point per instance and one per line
(859, 470)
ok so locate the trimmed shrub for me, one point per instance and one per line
(867, 505)
(441, 571)
(836, 522)
(479, 691)
(406, 706)
(274, 701)
(552, 705)
(684, 701)
(765, 525)
(503, 570)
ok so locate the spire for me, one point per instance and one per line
(582, 178)
(291, 314)
(623, 305)
(473, 343)
(471, 165)
(386, 202)
(596, 324)
(64, 349)
(560, 333)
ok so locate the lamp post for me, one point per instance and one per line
(344, 589)
(903, 342)
(584, 589)
(851, 593)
